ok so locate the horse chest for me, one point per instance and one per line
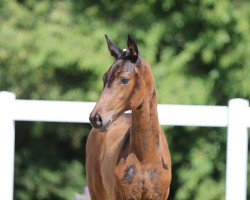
(135, 182)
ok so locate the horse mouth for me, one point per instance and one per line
(106, 126)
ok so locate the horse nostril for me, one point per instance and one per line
(98, 120)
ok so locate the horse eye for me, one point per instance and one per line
(124, 80)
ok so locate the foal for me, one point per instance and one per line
(127, 154)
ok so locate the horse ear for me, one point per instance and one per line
(114, 50)
(132, 48)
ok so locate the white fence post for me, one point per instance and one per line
(237, 148)
(7, 145)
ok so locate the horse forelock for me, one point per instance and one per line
(125, 55)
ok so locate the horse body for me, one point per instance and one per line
(127, 154)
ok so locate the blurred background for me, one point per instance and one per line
(55, 50)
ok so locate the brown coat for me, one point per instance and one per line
(127, 154)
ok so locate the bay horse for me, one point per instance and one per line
(127, 155)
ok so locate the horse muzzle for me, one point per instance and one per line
(97, 122)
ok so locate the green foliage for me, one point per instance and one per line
(56, 50)
(49, 161)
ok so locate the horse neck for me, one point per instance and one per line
(145, 129)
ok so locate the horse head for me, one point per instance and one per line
(126, 84)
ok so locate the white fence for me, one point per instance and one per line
(235, 116)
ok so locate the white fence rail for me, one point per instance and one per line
(236, 117)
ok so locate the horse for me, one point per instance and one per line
(127, 154)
